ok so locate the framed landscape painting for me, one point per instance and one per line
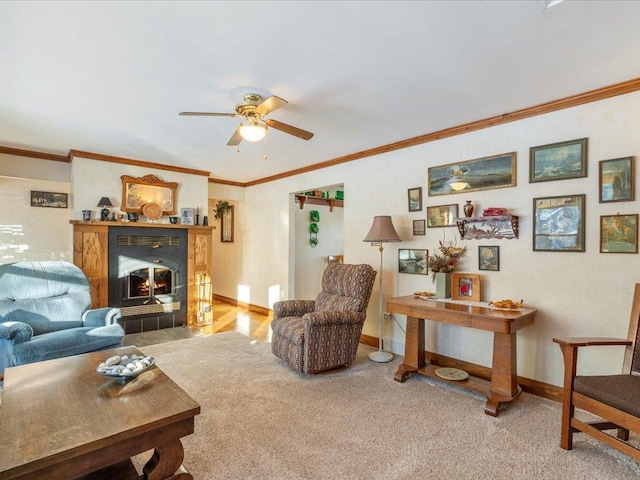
(616, 179)
(411, 260)
(485, 173)
(558, 223)
(619, 233)
(415, 199)
(558, 161)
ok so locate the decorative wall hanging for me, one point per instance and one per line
(558, 161)
(314, 218)
(419, 227)
(616, 179)
(558, 223)
(486, 173)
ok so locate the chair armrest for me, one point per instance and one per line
(18, 332)
(293, 308)
(333, 317)
(101, 317)
(574, 342)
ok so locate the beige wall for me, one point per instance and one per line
(575, 293)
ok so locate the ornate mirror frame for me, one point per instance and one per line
(136, 192)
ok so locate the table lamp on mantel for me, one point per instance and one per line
(381, 231)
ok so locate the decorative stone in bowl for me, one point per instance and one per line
(125, 367)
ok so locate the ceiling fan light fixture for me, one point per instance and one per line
(253, 131)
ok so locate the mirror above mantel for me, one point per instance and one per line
(140, 191)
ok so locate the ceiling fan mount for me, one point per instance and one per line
(254, 108)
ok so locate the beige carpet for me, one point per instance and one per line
(260, 420)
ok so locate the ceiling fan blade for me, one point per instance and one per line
(270, 104)
(235, 139)
(295, 131)
(209, 114)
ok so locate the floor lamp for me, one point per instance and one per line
(381, 231)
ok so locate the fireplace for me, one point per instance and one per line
(148, 277)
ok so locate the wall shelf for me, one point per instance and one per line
(331, 202)
(495, 226)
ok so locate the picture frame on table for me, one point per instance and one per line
(486, 173)
(415, 199)
(489, 258)
(559, 223)
(465, 286)
(413, 260)
(442, 215)
(49, 199)
(419, 227)
(558, 161)
(616, 180)
(187, 216)
(619, 233)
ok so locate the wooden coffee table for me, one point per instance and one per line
(59, 419)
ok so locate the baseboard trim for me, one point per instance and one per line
(249, 306)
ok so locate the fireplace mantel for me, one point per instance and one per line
(91, 254)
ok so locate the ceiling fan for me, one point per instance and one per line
(254, 128)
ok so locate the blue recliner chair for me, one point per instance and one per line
(45, 313)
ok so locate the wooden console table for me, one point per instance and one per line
(504, 324)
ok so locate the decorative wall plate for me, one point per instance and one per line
(152, 210)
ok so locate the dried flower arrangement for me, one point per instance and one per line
(446, 261)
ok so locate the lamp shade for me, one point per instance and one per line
(252, 131)
(105, 202)
(382, 230)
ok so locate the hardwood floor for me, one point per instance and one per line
(225, 318)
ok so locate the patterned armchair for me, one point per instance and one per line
(313, 336)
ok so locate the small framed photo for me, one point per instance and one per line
(558, 161)
(442, 215)
(465, 286)
(419, 227)
(415, 199)
(619, 233)
(411, 260)
(616, 179)
(186, 216)
(49, 199)
(558, 223)
(489, 258)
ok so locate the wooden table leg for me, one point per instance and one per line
(504, 375)
(166, 462)
(413, 349)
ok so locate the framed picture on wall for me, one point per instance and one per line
(415, 199)
(442, 215)
(419, 227)
(489, 258)
(619, 233)
(616, 180)
(558, 223)
(411, 260)
(49, 199)
(558, 161)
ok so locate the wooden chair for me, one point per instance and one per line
(615, 399)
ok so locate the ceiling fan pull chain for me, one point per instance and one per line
(265, 147)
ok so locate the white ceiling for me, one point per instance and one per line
(111, 77)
